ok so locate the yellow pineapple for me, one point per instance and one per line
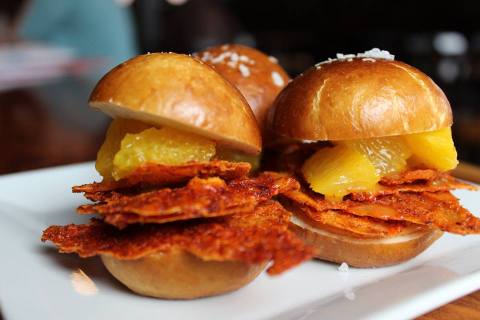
(115, 133)
(433, 149)
(338, 171)
(163, 146)
(388, 155)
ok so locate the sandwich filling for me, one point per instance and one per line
(379, 187)
(255, 237)
(359, 165)
(130, 144)
(164, 190)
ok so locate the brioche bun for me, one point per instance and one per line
(181, 275)
(364, 252)
(357, 99)
(182, 92)
(257, 76)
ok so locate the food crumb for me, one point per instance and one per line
(343, 267)
(349, 294)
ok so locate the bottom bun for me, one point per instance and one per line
(181, 275)
(362, 252)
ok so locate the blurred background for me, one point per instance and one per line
(52, 53)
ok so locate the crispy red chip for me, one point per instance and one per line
(435, 209)
(410, 176)
(328, 216)
(438, 209)
(209, 197)
(157, 175)
(439, 182)
(258, 236)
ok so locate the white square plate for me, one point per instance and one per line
(38, 283)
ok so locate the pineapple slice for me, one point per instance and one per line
(338, 171)
(433, 149)
(357, 165)
(388, 155)
(115, 133)
(163, 146)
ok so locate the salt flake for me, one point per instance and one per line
(244, 70)
(277, 79)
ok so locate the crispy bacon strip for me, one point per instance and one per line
(149, 175)
(436, 209)
(258, 236)
(199, 198)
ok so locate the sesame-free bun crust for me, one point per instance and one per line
(358, 99)
(364, 252)
(261, 80)
(182, 92)
(181, 275)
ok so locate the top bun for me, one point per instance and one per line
(182, 92)
(358, 98)
(258, 77)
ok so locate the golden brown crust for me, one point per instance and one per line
(200, 198)
(181, 275)
(179, 91)
(258, 77)
(359, 99)
(365, 253)
(156, 175)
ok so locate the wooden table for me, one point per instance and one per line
(51, 125)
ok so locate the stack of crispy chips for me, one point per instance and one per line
(212, 210)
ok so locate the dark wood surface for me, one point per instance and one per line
(51, 125)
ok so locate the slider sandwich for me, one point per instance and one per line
(176, 219)
(258, 77)
(373, 148)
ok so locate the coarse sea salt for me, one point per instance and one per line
(244, 70)
(273, 59)
(343, 267)
(244, 58)
(329, 60)
(234, 57)
(220, 58)
(376, 53)
(277, 79)
(341, 56)
(369, 55)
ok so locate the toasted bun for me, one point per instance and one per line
(181, 275)
(178, 91)
(362, 252)
(258, 77)
(357, 99)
